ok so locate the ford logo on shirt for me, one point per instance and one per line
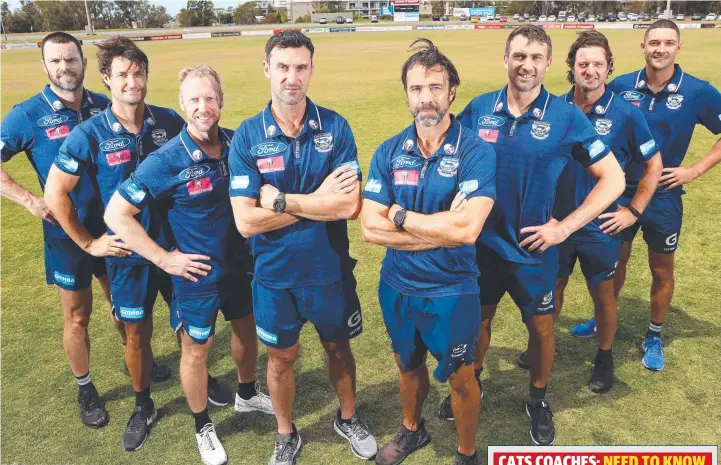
(404, 161)
(632, 95)
(114, 144)
(193, 172)
(493, 121)
(267, 148)
(51, 120)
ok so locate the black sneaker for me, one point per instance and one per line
(405, 443)
(602, 376)
(446, 412)
(217, 394)
(286, 448)
(465, 459)
(158, 374)
(138, 428)
(543, 432)
(92, 410)
(522, 360)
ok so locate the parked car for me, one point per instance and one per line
(622, 16)
(533, 18)
(474, 19)
(445, 18)
(711, 17)
(633, 17)
(349, 20)
(436, 17)
(516, 16)
(543, 18)
(464, 18)
(322, 20)
(680, 17)
(601, 18)
(551, 18)
(571, 19)
(503, 19)
(526, 16)
(611, 18)
(521, 19)
(645, 17)
(582, 18)
(374, 18)
(591, 18)
(497, 17)
(696, 17)
(339, 20)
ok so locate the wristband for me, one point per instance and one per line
(635, 212)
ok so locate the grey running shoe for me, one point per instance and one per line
(362, 442)
(286, 448)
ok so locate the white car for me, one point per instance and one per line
(591, 19)
(633, 17)
(498, 17)
(711, 17)
(349, 20)
(551, 18)
(680, 17)
(542, 18)
(516, 16)
(571, 19)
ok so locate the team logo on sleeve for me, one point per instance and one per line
(240, 182)
(674, 101)
(406, 177)
(373, 186)
(267, 148)
(647, 147)
(193, 172)
(323, 142)
(69, 164)
(135, 193)
(596, 149)
(159, 136)
(58, 132)
(352, 166)
(468, 187)
(540, 130)
(271, 164)
(199, 186)
(603, 126)
(51, 120)
(448, 167)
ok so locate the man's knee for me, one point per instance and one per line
(338, 350)
(561, 284)
(661, 266)
(463, 381)
(281, 360)
(541, 326)
(194, 353)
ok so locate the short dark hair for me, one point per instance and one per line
(533, 34)
(589, 38)
(288, 38)
(60, 38)
(123, 47)
(428, 56)
(663, 24)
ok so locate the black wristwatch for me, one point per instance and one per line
(399, 218)
(635, 212)
(279, 203)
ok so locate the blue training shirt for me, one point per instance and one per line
(400, 174)
(672, 114)
(109, 153)
(191, 188)
(531, 152)
(622, 127)
(38, 127)
(307, 252)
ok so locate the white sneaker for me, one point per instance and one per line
(259, 402)
(209, 446)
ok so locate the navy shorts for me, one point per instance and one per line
(447, 327)
(197, 314)
(334, 310)
(531, 286)
(598, 259)
(70, 267)
(134, 289)
(661, 223)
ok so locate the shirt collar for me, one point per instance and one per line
(117, 128)
(673, 85)
(537, 109)
(312, 120)
(600, 107)
(449, 146)
(57, 105)
(195, 152)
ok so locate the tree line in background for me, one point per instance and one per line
(547, 7)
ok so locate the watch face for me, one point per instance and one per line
(279, 205)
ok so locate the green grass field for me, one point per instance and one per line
(358, 76)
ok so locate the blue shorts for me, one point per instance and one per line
(531, 286)
(660, 222)
(197, 314)
(334, 310)
(134, 289)
(598, 259)
(447, 327)
(70, 267)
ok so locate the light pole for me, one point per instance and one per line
(89, 30)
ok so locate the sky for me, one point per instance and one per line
(172, 6)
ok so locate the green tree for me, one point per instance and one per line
(187, 18)
(271, 18)
(245, 13)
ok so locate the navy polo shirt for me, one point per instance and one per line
(672, 114)
(108, 153)
(400, 174)
(191, 188)
(307, 252)
(38, 127)
(531, 152)
(622, 127)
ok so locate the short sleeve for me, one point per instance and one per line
(135, 192)
(643, 145)
(245, 179)
(75, 155)
(345, 151)
(16, 134)
(582, 142)
(477, 173)
(466, 116)
(149, 181)
(378, 186)
(709, 113)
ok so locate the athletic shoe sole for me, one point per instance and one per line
(152, 420)
(584, 336)
(218, 404)
(530, 432)
(97, 425)
(643, 348)
(343, 435)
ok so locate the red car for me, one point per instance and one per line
(504, 19)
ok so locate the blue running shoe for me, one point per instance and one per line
(585, 330)
(653, 353)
